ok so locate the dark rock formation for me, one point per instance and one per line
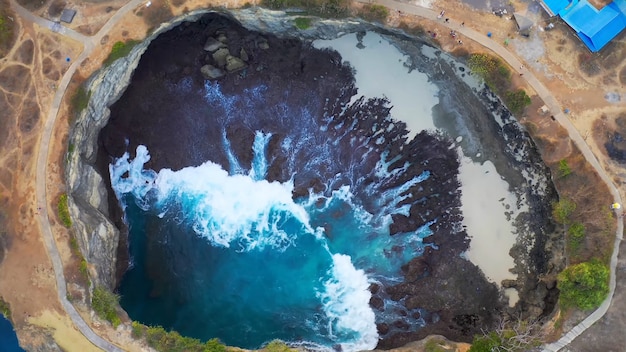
(440, 288)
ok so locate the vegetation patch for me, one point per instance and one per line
(7, 28)
(171, 341)
(516, 101)
(119, 50)
(492, 70)
(564, 169)
(302, 22)
(277, 346)
(497, 76)
(411, 29)
(322, 8)
(520, 336)
(64, 212)
(562, 210)
(584, 285)
(80, 100)
(104, 303)
(5, 309)
(575, 237)
(435, 345)
(374, 13)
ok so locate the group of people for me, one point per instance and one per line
(447, 20)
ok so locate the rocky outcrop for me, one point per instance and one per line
(97, 236)
(211, 72)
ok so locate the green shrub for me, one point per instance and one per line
(105, 303)
(562, 210)
(7, 31)
(83, 268)
(64, 212)
(434, 345)
(521, 337)
(374, 13)
(302, 22)
(5, 309)
(576, 235)
(564, 169)
(492, 70)
(171, 341)
(277, 346)
(584, 285)
(80, 100)
(119, 50)
(139, 330)
(322, 8)
(486, 343)
(516, 101)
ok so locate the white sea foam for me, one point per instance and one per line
(247, 214)
(259, 163)
(346, 303)
(227, 209)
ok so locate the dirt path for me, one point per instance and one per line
(42, 162)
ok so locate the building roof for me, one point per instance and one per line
(523, 23)
(68, 15)
(594, 27)
(553, 7)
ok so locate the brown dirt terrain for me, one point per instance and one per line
(33, 67)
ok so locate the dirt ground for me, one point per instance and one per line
(589, 86)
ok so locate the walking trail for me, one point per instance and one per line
(89, 43)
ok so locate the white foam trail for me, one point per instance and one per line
(237, 210)
(346, 303)
(225, 209)
(130, 177)
(259, 163)
(235, 168)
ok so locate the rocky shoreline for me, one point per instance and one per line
(98, 217)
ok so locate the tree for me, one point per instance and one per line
(562, 210)
(584, 285)
(509, 336)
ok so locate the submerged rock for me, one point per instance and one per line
(213, 44)
(221, 57)
(234, 63)
(211, 72)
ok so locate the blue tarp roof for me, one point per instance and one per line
(555, 6)
(595, 28)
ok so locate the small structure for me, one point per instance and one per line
(523, 24)
(68, 15)
(594, 27)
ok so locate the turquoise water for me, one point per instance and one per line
(228, 254)
(8, 338)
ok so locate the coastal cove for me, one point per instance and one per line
(474, 131)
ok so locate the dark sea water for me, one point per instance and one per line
(228, 254)
(8, 338)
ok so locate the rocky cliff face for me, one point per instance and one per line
(97, 235)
